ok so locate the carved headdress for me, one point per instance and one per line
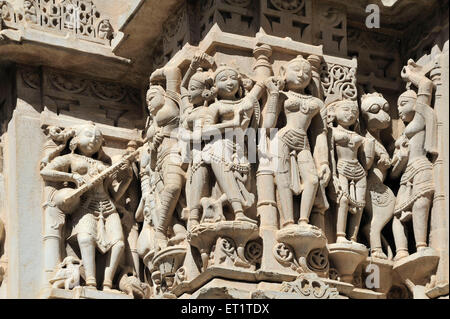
(332, 101)
(205, 79)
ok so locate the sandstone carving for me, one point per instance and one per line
(94, 219)
(229, 148)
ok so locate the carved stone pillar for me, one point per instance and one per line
(439, 236)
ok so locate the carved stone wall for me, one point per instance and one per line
(276, 149)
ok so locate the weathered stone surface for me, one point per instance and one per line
(246, 149)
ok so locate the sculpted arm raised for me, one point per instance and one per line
(274, 103)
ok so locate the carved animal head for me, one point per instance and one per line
(375, 111)
(70, 261)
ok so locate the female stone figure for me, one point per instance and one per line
(95, 221)
(348, 158)
(296, 172)
(196, 94)
(164, 108)
(227, 158)
(418, 139)
(380, 199)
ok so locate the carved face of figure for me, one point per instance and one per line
(27, 4)
(227, 83)
(298, 74)
(90, 140)
(375, 110)
(195, 91)
(346, 113)
(155, 99)
(406, 108)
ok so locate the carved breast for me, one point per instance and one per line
(303, 103)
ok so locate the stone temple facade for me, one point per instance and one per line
(224, 149)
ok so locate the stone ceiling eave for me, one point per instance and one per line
(92, 64)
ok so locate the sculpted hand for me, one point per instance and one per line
(126, 164)
(78, 179)
(158, 138)
(384, 161)
(273, 84)
(324, 174)
(198, 58)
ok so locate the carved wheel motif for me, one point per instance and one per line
(317, 260)
(67, 84)
(283, 253)
(331, 16)
(108, 91)
(291, 6)
(253, 252)
(31, 78)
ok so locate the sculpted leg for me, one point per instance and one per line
(132, 243)
(400, 238)
(198, 188)
(308, 173)
(342, 213)
(112, 263)
(173, 182)
(355, 221)
(286, 202)
(282, 180)
(227, 183)
(114, 229)
(87, 248)
(420, 212)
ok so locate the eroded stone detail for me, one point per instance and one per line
(265, 157)
(77, 18)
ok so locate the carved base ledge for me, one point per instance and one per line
(418, 267)
(385, 272)
(228, 238)
(301, 289)
(231, 274)
(346, 257)
(82, 293)
(307, 245)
